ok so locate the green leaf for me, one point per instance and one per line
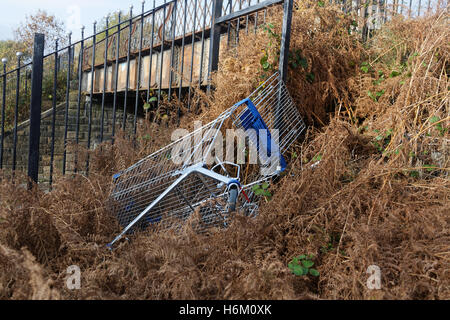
(302, 257)
(264, 60)
(365, 69)
(299, 270)
(310, 77)
(147, 106)
(434, 119)
(259, 192)
(304, 63)
(256, 188)
(153, 99)
(414, 174)
(317, 158)
(380, 93)
(389, 133)
(394, 74)
(314, 272)
(321, 4)
(265, 185)
(307, 263)
(370, 94)
(267, 193)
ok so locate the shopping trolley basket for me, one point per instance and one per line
(186, 177)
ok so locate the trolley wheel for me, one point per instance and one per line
(232, 199)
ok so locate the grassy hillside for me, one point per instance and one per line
(368, 185)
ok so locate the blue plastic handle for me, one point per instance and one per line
(251, 119)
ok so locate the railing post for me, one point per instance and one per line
(286, 38)
(214, 40)
(35, 109)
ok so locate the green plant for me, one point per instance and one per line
(394, 74)
(262, 190)
(310, 77)
(376, 96)
(382, 140)
(302, 266)
(268, 64)
(317, 158)
(296, 59)
(436, 120)
(414, 174)
(365, 67)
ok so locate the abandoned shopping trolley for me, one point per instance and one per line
(169, 186)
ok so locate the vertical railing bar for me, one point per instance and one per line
(127, 83)
(116, 77)
(229, 25)
(105, 74)
(202, 54)
(94, 47)
(35, 108)
(26, 82)
(52, 146)
(256, 19)
(214, 48)
(192, 56)
(238, 24)
(246, 21)
(151, 53)
(172, 50)
(139, 69)
(182, 56)
(420, 6)
(2, 139)
(161, 59)
(265, 16)
(66, 113)
(80, 82)
(286, 39)
(16, 111)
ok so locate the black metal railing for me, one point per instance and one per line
(92, 87)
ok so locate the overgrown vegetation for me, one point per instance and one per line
(369, 185)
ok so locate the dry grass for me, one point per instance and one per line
(379, 196)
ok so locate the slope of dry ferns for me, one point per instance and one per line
(369, 185)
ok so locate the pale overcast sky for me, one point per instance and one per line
(74, 13)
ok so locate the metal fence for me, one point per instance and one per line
(80, 94)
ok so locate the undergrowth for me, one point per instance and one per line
(369, 184)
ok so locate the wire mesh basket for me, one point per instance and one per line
(186, 177)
